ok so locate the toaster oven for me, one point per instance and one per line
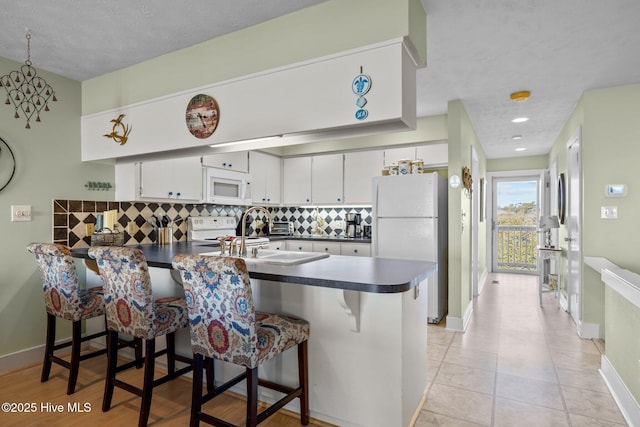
(282, 228)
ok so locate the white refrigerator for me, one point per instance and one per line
(410, 222)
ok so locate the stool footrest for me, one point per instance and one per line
(224, 387)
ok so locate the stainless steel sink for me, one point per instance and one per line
(274, 256)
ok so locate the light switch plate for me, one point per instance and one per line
(20, 213)
(608, 212)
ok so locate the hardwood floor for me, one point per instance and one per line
(51, 406)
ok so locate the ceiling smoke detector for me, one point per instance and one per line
(521, 96)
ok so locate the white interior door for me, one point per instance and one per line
(572, 221)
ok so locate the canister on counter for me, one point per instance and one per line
(393, 169)
(417, 166)
(404, 167)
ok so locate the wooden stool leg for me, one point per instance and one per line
(171, 352)
(112, 363)
(303, 378)
(196, 390)
(208, 365)
(147, 387)
(252, 397)
(138, 351)
(76, 343)
(48, 349)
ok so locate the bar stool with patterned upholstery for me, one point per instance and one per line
(63, 298)
(131, 309)
(225, 326)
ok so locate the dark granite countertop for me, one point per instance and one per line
(366, 274)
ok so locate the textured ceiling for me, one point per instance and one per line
(479, 51)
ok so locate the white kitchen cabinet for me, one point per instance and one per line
(266, 178)
(359, 168)
(332, 248)
(297, 245)
(279, 245)
(236, 161)
(355, 249)
(296, 180)
(327, 179)
(393, 155)
(176, 179)
(433, 154)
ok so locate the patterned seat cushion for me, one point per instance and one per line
(129, 302)
(222, 317)
(62, 294)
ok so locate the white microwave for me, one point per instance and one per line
(224, 187)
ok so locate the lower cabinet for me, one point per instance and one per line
(355, 249)
(332, 248)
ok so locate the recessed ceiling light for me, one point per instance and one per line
(520, 149)
(520, 119)
(516, 137)
(520, 96)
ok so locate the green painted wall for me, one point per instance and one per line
(324, 29)
(462, 137)
(518, 163)
(48, 167)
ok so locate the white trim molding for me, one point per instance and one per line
(460, 324)
(589, 330)
(621, 394)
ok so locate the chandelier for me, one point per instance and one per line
(26, 91)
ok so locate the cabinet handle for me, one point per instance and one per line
(268, 199)
(299, 248)
(339, 199)
(308, 200)
(230, 165)
(355, 251)
(224, 163)
(326, 249)
(170, 193)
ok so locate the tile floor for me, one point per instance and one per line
(518, 364)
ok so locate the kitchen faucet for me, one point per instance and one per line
(243, 243)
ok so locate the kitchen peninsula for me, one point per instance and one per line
(367, 349)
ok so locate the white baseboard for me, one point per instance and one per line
(22, 359)
(589, 330)
(482, 281)
(459, 324)
(621, 394)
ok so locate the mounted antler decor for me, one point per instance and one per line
(120, 138)
(466, 180)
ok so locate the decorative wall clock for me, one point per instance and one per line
(202, 116)
(7, 164)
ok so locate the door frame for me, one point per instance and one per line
(491, 197)
(573, 225)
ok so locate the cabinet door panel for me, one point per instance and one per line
(296, 180)
(433, 154)
(155, 179)
(356, 249)
(359, 168)
(332, 248)
(236, 161)
(327, 177)
(187, 178)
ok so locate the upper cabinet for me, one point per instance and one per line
(296, 180)
(433, 154)
(266, 178)
(238, 161)
(393, 155)
(327, 177)
(359, 168)
(179, 179)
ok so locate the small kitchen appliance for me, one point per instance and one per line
(282, 228)
(351, 225)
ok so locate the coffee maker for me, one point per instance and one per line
(353, 225)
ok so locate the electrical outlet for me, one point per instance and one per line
(608, 212)
(89, 229)
(20, 213)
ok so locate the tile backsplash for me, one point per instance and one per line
(70, 217)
